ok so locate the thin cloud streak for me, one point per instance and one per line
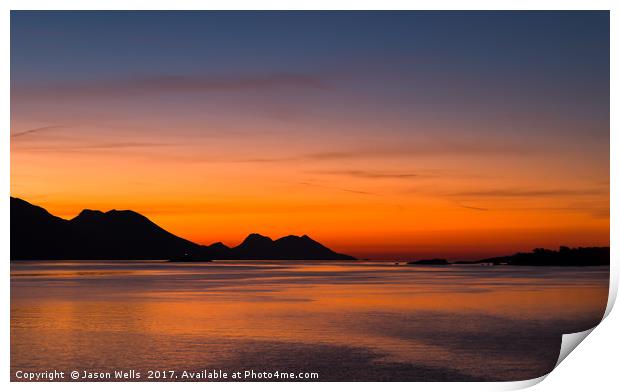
(473, 208)
(96, 146)
(595, 212)
(416, 149)
(365, 174)
(340, 189)
(181, 84)
(516, 193)
(35, 130)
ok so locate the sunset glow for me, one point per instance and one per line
(373, 133)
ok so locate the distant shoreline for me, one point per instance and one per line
(35, 234)
(393, 262)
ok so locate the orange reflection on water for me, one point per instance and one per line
(235, 314)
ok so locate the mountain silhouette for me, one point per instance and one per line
(116, 235)
(257, 247)
(37, 234)
(220, 251)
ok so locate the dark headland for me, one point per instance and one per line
(126, 235)
(564, 256)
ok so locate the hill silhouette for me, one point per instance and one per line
(117, 235)
(257, 247)
(564, 256)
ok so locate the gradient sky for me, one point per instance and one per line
(379, 134)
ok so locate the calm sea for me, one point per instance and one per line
(346, 321)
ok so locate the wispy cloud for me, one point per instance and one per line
(266, 160)
(411, 151)
(590, 201)
(35, 130)
(95, 147)
(593, 210)
(129, 86)
(517, 193)
(340, 189)
(472, 207)
(365, 174)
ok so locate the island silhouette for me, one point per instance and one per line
(127, 235)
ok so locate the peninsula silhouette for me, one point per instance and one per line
(126, 235)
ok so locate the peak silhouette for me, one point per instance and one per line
(256, 240)
(126, 234)
(258, 247)
(88, 214)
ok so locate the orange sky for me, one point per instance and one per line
(370, 203)
(441, 148)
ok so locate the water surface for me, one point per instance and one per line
(347, 321)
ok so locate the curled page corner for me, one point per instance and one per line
(613, 293)
(523, 384)
(569, 342)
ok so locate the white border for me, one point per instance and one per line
(593, 366)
